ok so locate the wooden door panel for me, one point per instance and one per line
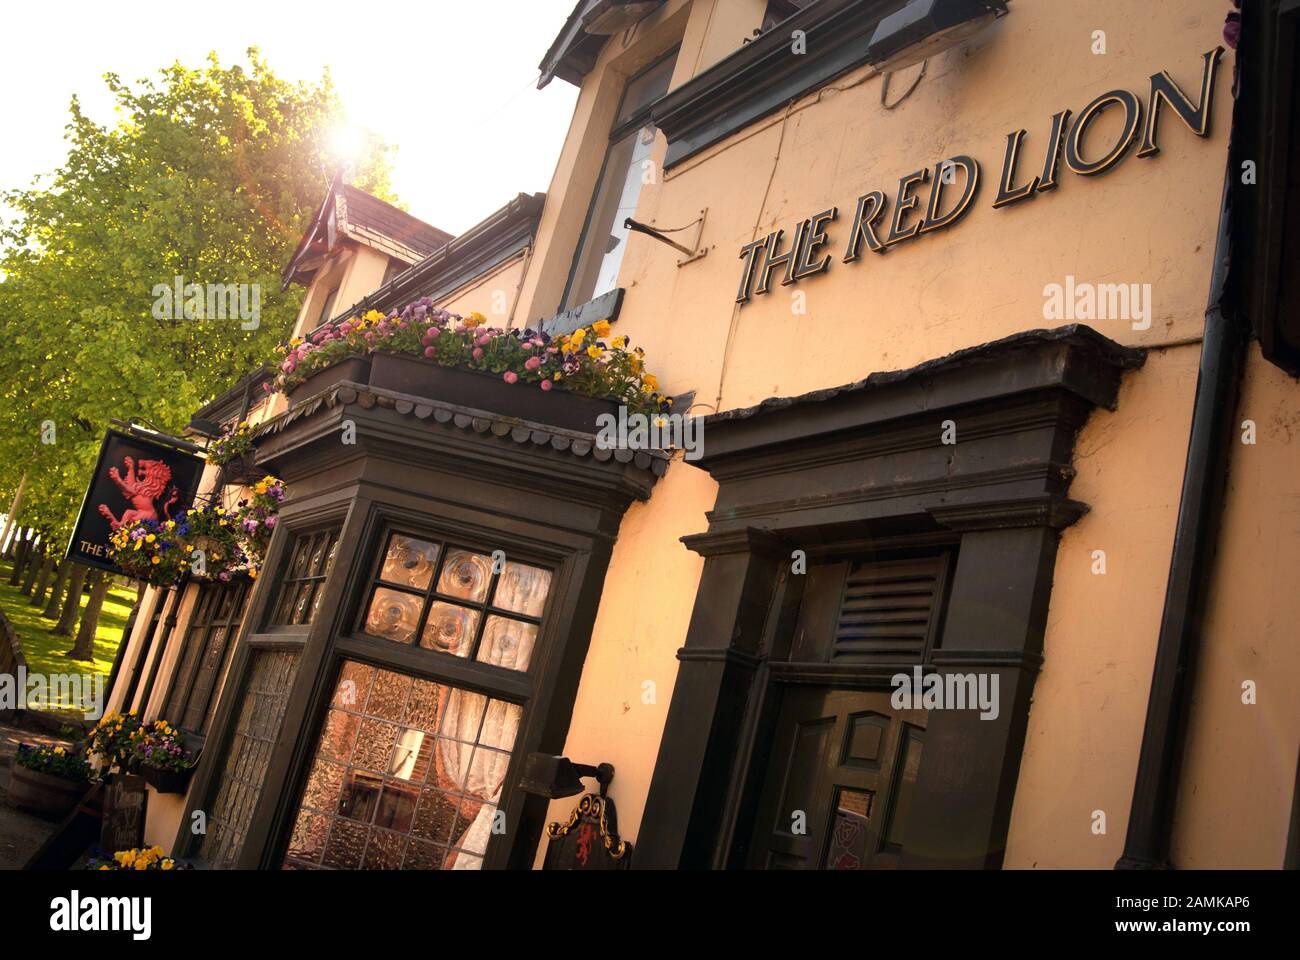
(837, 789)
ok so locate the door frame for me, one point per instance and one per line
(866, 462)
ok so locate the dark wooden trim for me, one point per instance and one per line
(475, 252)
(764, 75)
(604, 307)
(1264, 285)
(545, 502)
(203, 786)
(856, 467)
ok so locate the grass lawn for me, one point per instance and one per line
(44, 651)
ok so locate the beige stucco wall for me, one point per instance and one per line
(1089, 703)
(356, 269)
(494, 294)
(1150, 220)
(1240, 767)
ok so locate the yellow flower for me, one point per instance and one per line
(252, 573)
(296, 342)
(154, 560)
(601, 327)
(150, 538)
(593, 352)
(59, 751)
(168, 864)
(619, 342)
(105, 867)
(651, 381)
(578, 336)
(260, 488)
(475, 319)
(189, 548)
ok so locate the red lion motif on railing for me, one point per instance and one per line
(144, 484)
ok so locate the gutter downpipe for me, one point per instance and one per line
(1191, 565)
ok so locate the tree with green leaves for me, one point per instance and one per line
(210, 175)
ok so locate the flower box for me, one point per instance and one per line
(166, 781)
(483, 391)
(356, 369)
(43, 793)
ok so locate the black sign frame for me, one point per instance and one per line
(94, 529)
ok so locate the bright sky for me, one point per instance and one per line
(452, 84)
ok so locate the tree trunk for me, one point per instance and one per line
(20, 557)
(34, 565)
(72, 604)
(42, 581)
(11, 518)
(84, 647)
(56, 592)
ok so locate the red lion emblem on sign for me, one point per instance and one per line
(144, 485)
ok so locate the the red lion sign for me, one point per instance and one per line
(143, 486)
(135, 479)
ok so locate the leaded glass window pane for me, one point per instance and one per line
(418, 793)
(474, 604)
(257, 726)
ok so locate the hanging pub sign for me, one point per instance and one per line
(589, 840)
(134, 479)
(880, 222)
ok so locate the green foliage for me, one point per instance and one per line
(209, 174)
(45, 651)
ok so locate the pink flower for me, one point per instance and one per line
(510, 376)
(546, 385)
(433, 333)
(532, 363)
(428, 352)
(478, 353)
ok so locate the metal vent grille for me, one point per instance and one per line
(889, 607)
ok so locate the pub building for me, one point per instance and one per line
(996, 379)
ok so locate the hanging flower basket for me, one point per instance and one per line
(243, 469)
(209, 542)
